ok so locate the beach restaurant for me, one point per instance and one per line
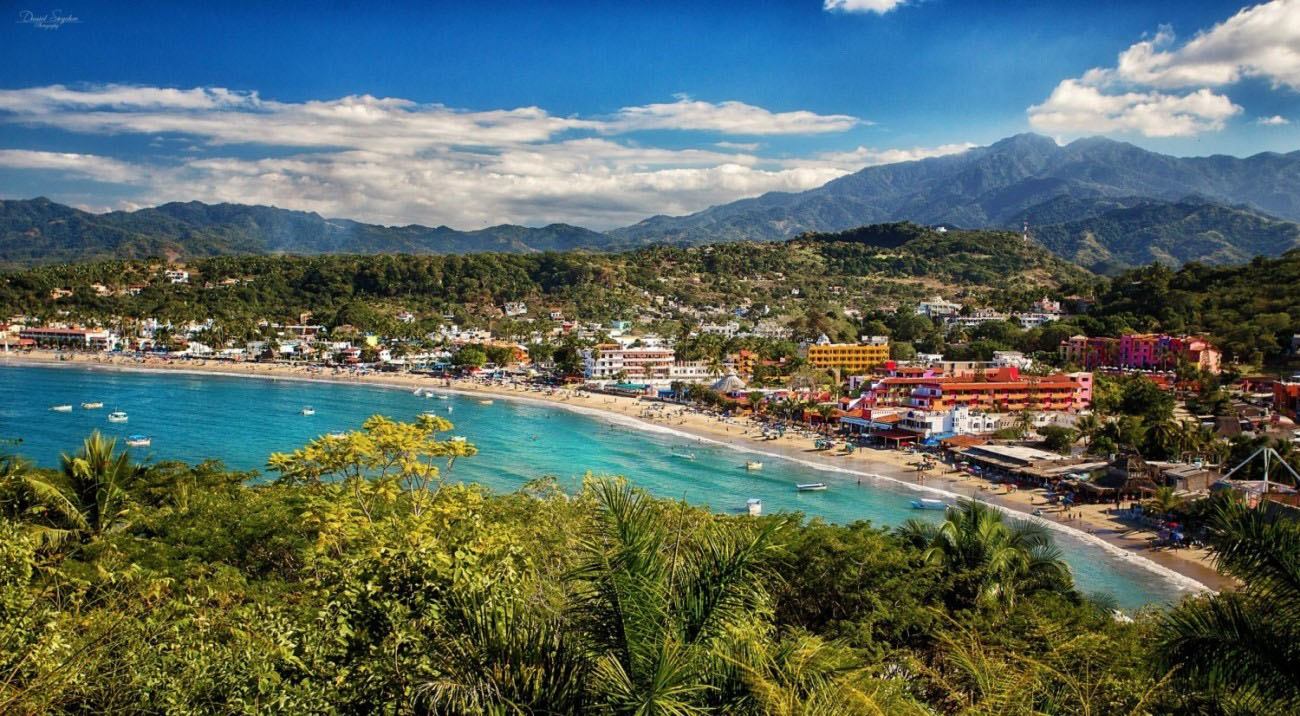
(880, 427)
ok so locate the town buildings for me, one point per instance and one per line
(1146, 351)
(1001, 390)
(854, 357)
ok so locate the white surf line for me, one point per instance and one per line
(1181, 581)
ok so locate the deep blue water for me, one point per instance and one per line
(243, 420)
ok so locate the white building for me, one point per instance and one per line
(177, 275)
(1011, 358)
(611, 360)
(937, 307)
(978, 316)
(728, 329)
(1033, 320)
(690, 371)
(516, 308)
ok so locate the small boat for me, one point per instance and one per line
(337, 435)
(926, 503)
(308, 410)
(484, 402)
(458, 438)
(138, 440)
(61, 408)
(684, 455)
(416, 392)
(92, 405)
(753, 465)
(117, 416)
(811, 487)
(449, 408)
(755, 506)
(440, 396)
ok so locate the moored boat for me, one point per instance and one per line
(753, 465)
(117, 416)
(684, 455)
(811, 487)
(755, 506)
(138, 441)
(92, 405)
(926, 503)
(484, 402)
(337, 435)
(308, 410)
(61, 408)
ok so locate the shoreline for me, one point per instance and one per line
(1189, 569)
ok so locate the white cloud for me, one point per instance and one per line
(1260, 41)
(1159, 90)
(879, 7)
(88, 166)
(1274, 121)
(394, 161)
(1077, 107)
(726, 117)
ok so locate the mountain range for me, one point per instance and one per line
(1101, 203)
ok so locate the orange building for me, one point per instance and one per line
(854, 357)
(1003, 390)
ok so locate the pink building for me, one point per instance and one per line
(1145, 351)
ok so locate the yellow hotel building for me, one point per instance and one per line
(849, 356)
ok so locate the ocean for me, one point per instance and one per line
(242, 420)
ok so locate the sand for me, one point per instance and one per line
(1096, 521)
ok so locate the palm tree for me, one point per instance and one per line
(1165, 436)
(993, 560)
(98, 482)
(1088, 426)
(29, 496)
(1163, 501)
(657, 606)
(1240, 647)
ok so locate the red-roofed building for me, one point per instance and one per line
(1001, 390)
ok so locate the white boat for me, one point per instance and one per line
(755, 506)
(337, 435)
(92, 405)
(926, 503)
(449, 408)
(458, 438)
(484, 402)
(416, 392)
(753, 465)
(443, 397)
(117, 416)
(138, 441)
(61, 408)
(308, 410)
(811, 487)
(684, 455)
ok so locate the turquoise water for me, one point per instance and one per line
(242, 420)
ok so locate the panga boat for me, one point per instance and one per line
(484, 402)
(308, 410)
(811, 487)
(138, 440)
(440, 396)
(92, 405)
(117, 416)
(755, 506)
(61, 408)
(458, 438)
(753, 465)
(926, 503)
(684, 455)
(337, 435)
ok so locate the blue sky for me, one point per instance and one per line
(602, 113)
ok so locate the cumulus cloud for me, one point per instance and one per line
(1261, 41)
(1160, 90)
(1274, 121)
(391, 160)
(1075, 106)
(880, 7)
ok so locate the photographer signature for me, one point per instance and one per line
(50, 21)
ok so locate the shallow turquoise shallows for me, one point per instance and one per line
(243, 420)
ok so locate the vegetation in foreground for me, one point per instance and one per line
(362, 580)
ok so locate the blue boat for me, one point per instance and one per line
(926, 503)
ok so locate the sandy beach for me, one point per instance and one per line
(1086, 521)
